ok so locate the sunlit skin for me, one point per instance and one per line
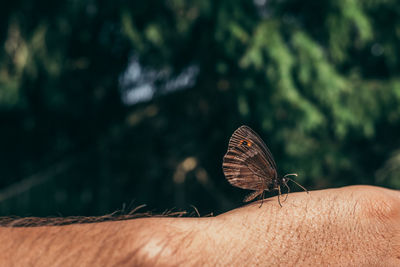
(350, 226)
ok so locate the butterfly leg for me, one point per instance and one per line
(279, 196)
(288, 191)
(262, 198)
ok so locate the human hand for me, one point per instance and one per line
(349, 226)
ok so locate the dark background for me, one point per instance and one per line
(107, 105)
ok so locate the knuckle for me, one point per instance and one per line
(380, 205)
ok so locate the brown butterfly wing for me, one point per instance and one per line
(248, 164)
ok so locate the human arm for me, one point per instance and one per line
(352, 226)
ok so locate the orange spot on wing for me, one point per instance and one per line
(245, 143)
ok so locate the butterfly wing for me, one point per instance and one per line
(248, 164)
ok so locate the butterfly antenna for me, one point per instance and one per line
(298, 184)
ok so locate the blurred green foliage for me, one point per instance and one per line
(319, 81)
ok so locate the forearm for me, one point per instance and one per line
(144, 242)
(63, 245)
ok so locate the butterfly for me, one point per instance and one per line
(248, 164)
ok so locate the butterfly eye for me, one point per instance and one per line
(245, 143)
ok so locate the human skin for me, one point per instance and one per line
(349, 226)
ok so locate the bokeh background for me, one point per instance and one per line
(107, 105)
